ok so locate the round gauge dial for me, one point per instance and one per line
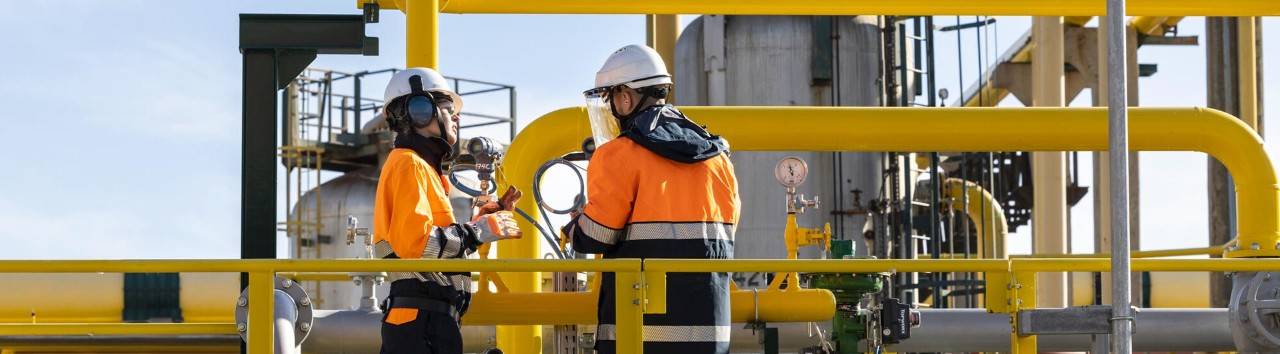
(791, 171)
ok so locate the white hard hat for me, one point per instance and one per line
(432, 81)
(635, 66)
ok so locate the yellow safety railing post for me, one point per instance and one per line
(261, 307)
(1024, 290)
(999, 295)
(629, 314)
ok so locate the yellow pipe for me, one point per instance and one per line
(422, 19)
(982, 208)
(205, 297)
(827, 265)
(1248, 61)
(864, 7)
(102, 329)
(316, 276)
(1168, 289)
(937, 129)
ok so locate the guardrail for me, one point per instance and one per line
(641, 285)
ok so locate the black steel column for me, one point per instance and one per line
(258, 156)
(275, 49)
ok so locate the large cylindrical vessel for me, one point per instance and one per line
(787, 61)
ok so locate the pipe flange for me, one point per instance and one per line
(1255, 311)
(301, 302)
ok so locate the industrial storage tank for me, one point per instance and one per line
(787, 61)
(351, 194)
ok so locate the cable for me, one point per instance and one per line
(546, 235)
(493, 188)
(578, 201)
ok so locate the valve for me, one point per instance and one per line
(354, 231)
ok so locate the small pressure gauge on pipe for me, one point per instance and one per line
(791, 171)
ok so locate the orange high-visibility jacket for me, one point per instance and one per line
(644, 205)
(412, 200)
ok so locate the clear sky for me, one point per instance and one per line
(121, 119)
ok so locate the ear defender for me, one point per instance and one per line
(420, 107)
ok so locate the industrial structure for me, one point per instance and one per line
(895, 241)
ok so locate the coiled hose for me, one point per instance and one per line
(549, 233)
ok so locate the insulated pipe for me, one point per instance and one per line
(1158, 330)
(286, 316)
(937, 129)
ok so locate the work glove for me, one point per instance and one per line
(495, 226)
(507, 202)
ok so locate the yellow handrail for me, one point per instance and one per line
(1200, 251)
(640, 288)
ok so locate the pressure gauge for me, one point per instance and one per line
(791, 171)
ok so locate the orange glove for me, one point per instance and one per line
(507, 202)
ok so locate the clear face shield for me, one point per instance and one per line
(604, 127)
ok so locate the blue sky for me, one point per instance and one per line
(121, 118)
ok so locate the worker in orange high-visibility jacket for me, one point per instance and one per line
(659, 186)
(413, 217)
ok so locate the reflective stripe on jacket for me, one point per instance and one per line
(643, 205)
(413, 216)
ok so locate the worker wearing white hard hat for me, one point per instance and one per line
(658, 186)
(414, 219)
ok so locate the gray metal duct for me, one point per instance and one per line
(1158, 330)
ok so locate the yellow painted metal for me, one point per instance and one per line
(999, 297)
(1154, 25)
(316, 276)
(629, 313)
(984, 212)
(1246, 28)
(655, 296)
(990, 95)
(205, 297)
(63, 348)
(795, 237)
(864, 7)
(103, 329)
(318, 265)
(801, 305)
(937, 129)
(1168, 289)
(422, 19)
(1200, 251)
(826, 265)
(39, 298)
(1024, 288)
(261, 307)
(1049, 168)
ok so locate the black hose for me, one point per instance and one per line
(578, 201)
(546, 235)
